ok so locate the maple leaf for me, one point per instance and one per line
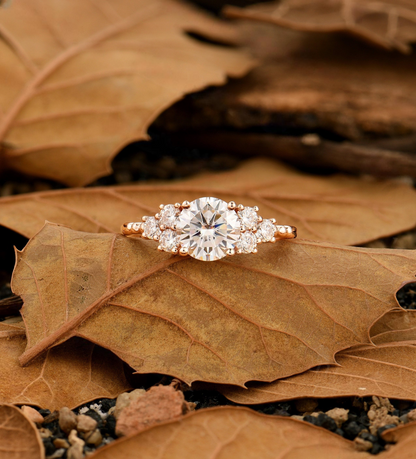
(70, 375)
(232, 433)
(19, 437)
(292, 306)
(81, 79)
(338, 209)
(390, 24)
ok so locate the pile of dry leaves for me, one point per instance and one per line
(300, 350)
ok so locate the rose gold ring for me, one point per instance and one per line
(208, 229)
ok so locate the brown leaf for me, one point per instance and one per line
(388, 370)
(338, 209)
(404, 438)
(68, 375)
(314, 82)
(232, 433)
(125, 295)
(390, 24)
(395, 326)
(158, 404)
(19, 437)
(82, 79)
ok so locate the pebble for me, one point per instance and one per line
(158, 404)
(411, 416)
(379, 414)
(94, 438)
(124, 400)
(76, 450)
(339, 415)
(85, 423)
(67, 420)
(60, 443)
(32, 414)
(362, 445)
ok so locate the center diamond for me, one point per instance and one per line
(207, 229)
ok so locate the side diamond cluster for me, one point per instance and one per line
(253, 229)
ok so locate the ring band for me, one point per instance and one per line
(208, 229)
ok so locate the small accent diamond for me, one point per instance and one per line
(247, 243)
(151, 228)
(248, 217)
(168, 215)
(266, 231)
(168, 240)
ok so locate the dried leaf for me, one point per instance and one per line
(395, 326)
(19, 437)
(311, 82)
(388, 370)
(338, 209)
(125, 295)
(390, 24)
(68, 375)
(232, 433)
(404, 438)
(79, 80)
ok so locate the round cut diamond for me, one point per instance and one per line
(266, 231)
(168, 240)
(168, 215)
(207, 229)
(247, 243)
(151, 228)
(248, 217)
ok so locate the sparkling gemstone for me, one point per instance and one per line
(168, 215)
(266, 231)
(207, 229)
(151, 228)
(248, 217)
(247, 242)
(168, 240)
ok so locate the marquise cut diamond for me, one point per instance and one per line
(207, 229)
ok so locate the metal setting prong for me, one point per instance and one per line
(254, 251)
(259, 219)
(144, 218)
(174, 251)
(273, 239)
(239, 251)
(232, 205)
(256, 208)
(162, 227)
(243, 229)
(177, 205)
(240, 207)
(155, 238)
(160, 248)
(157, 216)
(186, 204)
(183, 251)
(230, 252)
(273, 220)
(161, 206)
(254, 229)
(174, 227)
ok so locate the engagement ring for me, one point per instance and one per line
(208, 229)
